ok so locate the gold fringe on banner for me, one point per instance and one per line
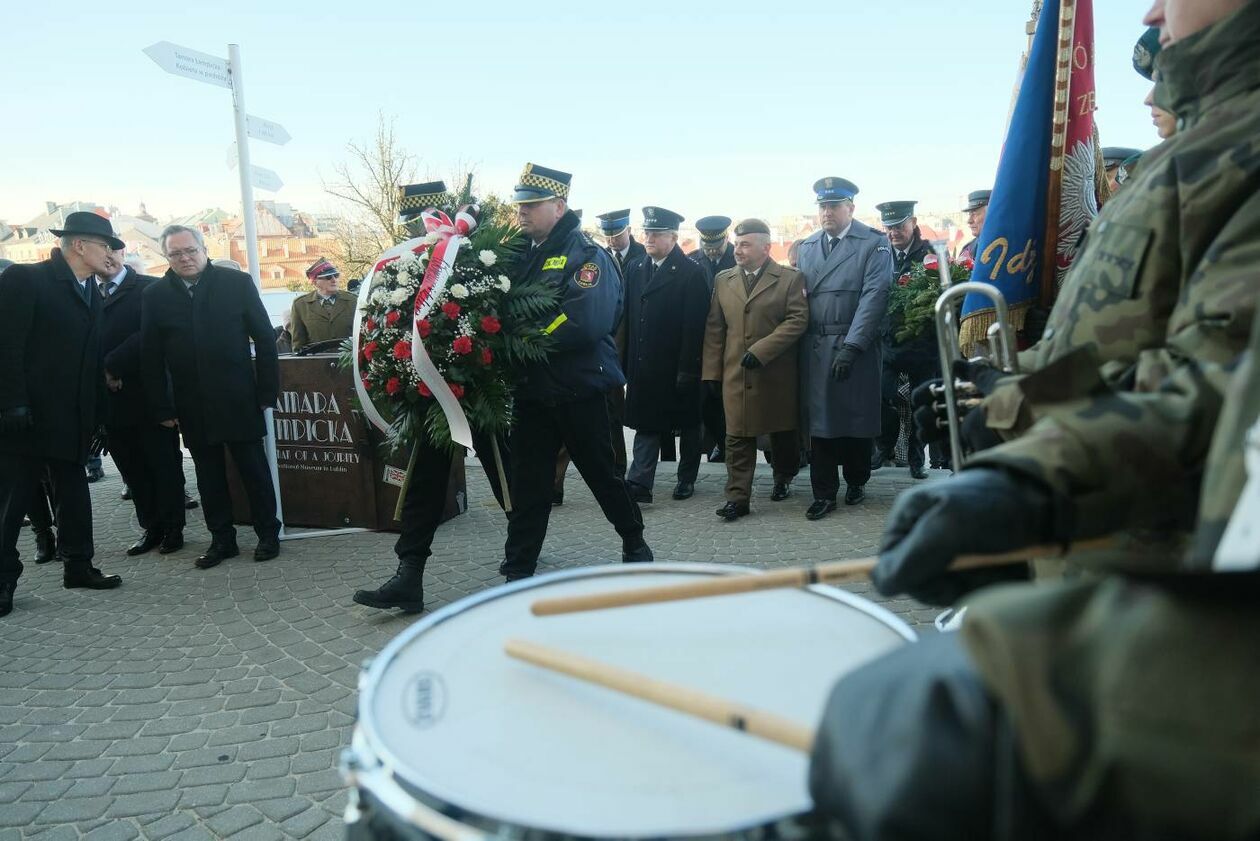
(973, 332)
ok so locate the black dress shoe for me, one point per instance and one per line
(405, 591)
(216, 554)
(173, 542)
(639, 494)
(732, 511)
(126, 492)
(267, 548)
(6, 598)
(639, 555)
(880, 459)
(95, 474)
(781, 492)
(189, 502)
(557, 497)
(45, 546)
(89, 578)
(820, 508)
(855, 494)
(917, 472)
(146, 544)
(684, 490)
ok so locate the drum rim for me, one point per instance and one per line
(369, 678)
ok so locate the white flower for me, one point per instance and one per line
(433, 237)
(487, 257)
(405, 263)
(504, 283)
(460, 291)
(380, 295)
(399, 296)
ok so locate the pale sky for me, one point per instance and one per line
(733, 109)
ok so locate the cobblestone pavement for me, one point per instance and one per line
(211, 704)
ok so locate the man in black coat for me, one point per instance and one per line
(51, 393)
(667, 303)
(197, 324)
(146, 453)
(918, 357)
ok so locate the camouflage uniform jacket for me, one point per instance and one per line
(1125, 387)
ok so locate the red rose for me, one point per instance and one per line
(930, 262)
(423, 390)
(367, 386)
(425, 328)
(451, 310)
(369, 349)
(968, 263)
(486, 356)
(904, 280)
(402, 350)
(462, 345)
(369, 325)
(491, 325)
(391, 318)
(393, 385)
(457, 390)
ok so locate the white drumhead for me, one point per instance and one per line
(457, 719)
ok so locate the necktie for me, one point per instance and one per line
(901, 256)
(651, 270)
(750, 280)
(106, 288)
(833, 242)
(328, 302)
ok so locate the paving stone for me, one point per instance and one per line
(47, 790)
(282, 808)
(234, 820)
(226, 772)
(20, 814)
(113, 831)
(75, 809)
(248, 792)
(148, 802)
(168, 825)
(200, 796)
(158, 781)
(300, 826)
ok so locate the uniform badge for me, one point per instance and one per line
(883, 248)
(555, 263)
(587, 276)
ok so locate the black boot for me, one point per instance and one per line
(405, 590)
(6, 598)
(45, 546)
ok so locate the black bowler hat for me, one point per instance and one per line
(713, 228)
(414, 199)
(89, 224)
(977, 200)
(538, 183)
(660, 219)
(1114, 156)
(614, 222)
(752, 226)
(895, 212)
(831, 190)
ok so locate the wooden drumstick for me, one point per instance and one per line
(755, 722)
(827, 573)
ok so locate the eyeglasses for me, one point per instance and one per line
(182, 253)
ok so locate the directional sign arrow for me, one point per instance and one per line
(191, 64)
(260, 129)
(265, 179)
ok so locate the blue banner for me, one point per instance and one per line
(1012, 242)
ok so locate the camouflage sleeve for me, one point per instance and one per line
(1127, 457)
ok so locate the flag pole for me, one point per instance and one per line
(1058, 143)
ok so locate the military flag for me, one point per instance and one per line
(1045, 193)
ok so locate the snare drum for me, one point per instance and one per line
(455, 740)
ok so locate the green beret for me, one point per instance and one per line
(1145, 51)
(752, 226)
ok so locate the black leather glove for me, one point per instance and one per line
(714, 388)
(99, 445)
(978, 511)
(16, 419)
(929, 422)
(683, 382)
(981, 374)
(749, 361)
(842, 363)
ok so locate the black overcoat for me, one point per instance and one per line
(120, 344)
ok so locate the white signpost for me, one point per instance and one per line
(212, 70)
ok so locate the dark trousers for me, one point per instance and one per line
(830, 456)
(617, 414)
(19, 474)
(741, 462)
(649, 445)
(713, 415)
(426, 495)
(41, 506)
(585, 429)
(919, 370)
(251, 464)
(149, 460)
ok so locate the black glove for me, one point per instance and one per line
(842, 363)
(749, 361)
(683, 382)
(1034, 324)
(16, 419)
(976, 435)
(981, 374)
(99, 444)
(714, 387)
(978, 511)
(929, 422)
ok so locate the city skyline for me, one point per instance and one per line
(652, 112)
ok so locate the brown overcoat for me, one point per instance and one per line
(768, 323)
